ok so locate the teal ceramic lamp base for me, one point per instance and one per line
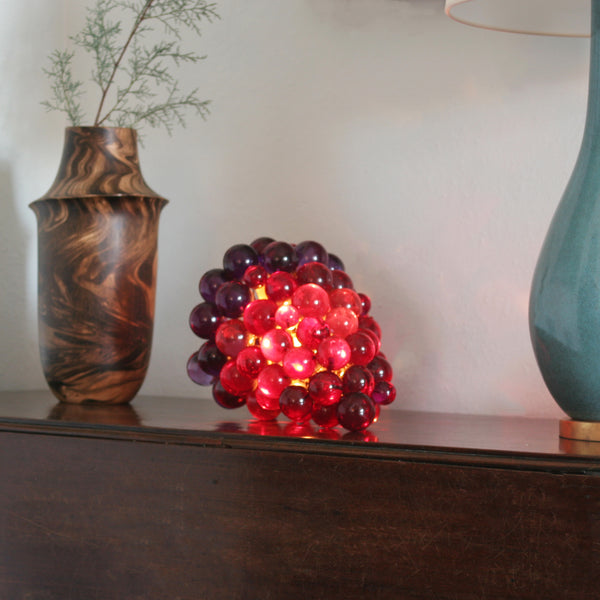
(564, 311)
(564, 308)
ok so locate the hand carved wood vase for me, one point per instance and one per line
(97, 254)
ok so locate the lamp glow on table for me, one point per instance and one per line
(564, 307)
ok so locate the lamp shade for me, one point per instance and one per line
(570, 18)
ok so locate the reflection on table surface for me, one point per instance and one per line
(202, 416)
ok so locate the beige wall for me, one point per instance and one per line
(428, 155)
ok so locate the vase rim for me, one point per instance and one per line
(108, 198)
(111, 127)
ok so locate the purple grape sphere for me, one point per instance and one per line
(279, 256)
(335, 263)
(232, 297)
(259, 244)
(196, 373)
(205, 319)
(310, 251)
(210, 359)
(210, 282)
(237, 259)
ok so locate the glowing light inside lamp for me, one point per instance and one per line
(570, 18)
(288, 333)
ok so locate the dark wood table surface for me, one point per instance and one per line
(179, 498)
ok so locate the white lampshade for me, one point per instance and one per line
(569, 18)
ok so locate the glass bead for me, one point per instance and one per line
(325, 388)
(259, 316)
(210, 282)
(383, 393)
(255, 276)
(287, 316)
(232, 297)
(358, 379)
(299, 363)
(366, 303)
(196, 373)
(275, 343)
(368, 322)
(251, 361)
(237, 259)
(342, 321)
(272, 380)
(333, 353)
(280, 286)
(296, 404)
(362, 348)
(373, 337)
(211, 359)
(279, 256)
(377, 412)
(335, 263)
(258, 412)
(259, 244)
(310, 251)
(234, 381)
(311, 332)
(340, 280)
(316, 273)
(311, 300)
(346, 298)
(231, 337)
(224, 399)
(325, 415)
(205, 319)
(381, 369)
(356, 411)
(266, 402)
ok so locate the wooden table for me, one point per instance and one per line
(179, 499)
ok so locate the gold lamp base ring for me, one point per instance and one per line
(586, 431)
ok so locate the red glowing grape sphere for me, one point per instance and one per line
(285, 332)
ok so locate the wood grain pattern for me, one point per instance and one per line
(99, 161)
(148, 509)
(97, 255)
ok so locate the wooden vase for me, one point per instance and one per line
(97, 255)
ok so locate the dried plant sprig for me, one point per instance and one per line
(66, 91)
(135, 78)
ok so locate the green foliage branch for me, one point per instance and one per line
(134, 76)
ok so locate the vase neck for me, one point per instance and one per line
(592, 124)
(99, 161)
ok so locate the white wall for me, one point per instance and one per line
(430, 156)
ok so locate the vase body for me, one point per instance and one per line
(97, 256)
(564, 311)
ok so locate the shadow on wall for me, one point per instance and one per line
(15, 366)
(407, 337)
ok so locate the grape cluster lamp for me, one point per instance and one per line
(564, 307)
(285, 332)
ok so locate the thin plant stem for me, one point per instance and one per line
(139, 73)
(98, 121)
